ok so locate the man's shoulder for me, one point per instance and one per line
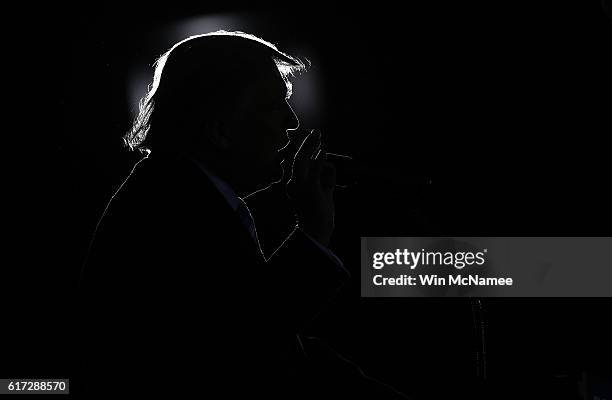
(168, 180)
(164, 209)
(165, 192)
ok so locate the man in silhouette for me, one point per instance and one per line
(178, 297)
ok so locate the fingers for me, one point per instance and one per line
(304, 155)
(318, 150)
(309, 146)
(323, 173)
(296, 138)
(327, 176)
(320, 154)
(310, 166)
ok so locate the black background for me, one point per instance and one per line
(504, 106)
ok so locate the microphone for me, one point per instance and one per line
(351, 171)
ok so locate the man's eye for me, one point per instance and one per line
(275, 106)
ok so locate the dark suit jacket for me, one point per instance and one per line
(177, 299)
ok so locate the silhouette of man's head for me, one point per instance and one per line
(221, 98)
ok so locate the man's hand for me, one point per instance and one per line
(311, 188)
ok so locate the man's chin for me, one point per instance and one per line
(275, 176)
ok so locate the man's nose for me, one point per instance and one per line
(293, 122)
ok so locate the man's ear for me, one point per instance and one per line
(215, 134)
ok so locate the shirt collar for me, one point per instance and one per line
(223, 187)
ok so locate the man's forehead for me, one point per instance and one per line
(270, 84)
(263, 90)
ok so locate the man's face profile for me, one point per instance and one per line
(260, 128)
(222, 100)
